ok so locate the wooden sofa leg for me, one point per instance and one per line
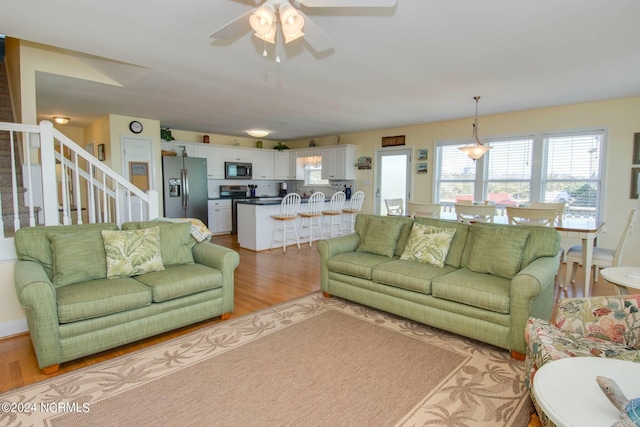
(51, 369)
(517, 356)
(225, 316)
(326, 295)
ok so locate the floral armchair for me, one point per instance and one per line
(607, 326)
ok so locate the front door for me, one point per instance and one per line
(393, 177)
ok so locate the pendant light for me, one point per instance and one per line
(476, 150)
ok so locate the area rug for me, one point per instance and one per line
(311, 361)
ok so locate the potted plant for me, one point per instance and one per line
(165, 133)
(280, 146)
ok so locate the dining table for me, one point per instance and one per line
(585, 229)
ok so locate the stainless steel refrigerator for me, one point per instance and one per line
(185, 187)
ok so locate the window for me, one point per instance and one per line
(554, 167)
(313, 171)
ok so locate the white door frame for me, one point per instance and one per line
(378, 176)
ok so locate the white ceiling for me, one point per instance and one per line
(421, 61)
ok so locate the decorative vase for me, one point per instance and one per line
(258, 144)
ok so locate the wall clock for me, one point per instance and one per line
(135, 126)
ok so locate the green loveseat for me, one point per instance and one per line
(74, 310)
(493, 279)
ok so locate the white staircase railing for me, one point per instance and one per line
(65, 184)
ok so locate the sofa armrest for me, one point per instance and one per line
(38, 296)
(224, 260)
(338, 245)
(614, 318)
(216, 256)
(532, 295)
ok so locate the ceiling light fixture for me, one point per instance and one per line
(258, 133)
(263, 21)
(61, 120)
(477, 149)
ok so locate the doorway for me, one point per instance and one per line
(393, 177)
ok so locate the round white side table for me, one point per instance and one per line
(569, 395)
(623, 278)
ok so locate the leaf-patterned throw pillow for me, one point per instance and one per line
(130, 253)
(428, 244)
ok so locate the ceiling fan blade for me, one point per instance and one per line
(233, 28)
(348, 3)
(318, 39)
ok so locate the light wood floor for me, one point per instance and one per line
(262, 279)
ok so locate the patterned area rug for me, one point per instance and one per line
(310, 361)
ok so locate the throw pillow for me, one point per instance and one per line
(428, 244)
(496, 250)
(175, 240)
(380, 236)
(130, 253)
(199, 231)
(77, 257)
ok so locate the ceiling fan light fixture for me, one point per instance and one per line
(291, 21)
(477, 149)
(263, 21)
(258, 133)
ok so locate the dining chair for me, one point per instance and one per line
(289, 208)
(314, 211)
(532, 216)
(602, 257)
(425, 210)
(335, 210)
(558, 206)
(475, 213)
(394, 206)
(354, 207)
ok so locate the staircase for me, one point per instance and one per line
(51, 180)
(6, 172)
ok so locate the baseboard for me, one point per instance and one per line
(13, 327)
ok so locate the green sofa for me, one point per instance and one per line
(493, 279)
(74, 310)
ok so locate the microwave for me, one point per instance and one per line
(234, 170)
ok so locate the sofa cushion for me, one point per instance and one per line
(32, 243)
(410, 275)
(484, 291)
(496, 250)
(428, 244)
(358, 264)
(181, 280)
(380, 236)
(176, 241)
(77, 257)
(101, 297)
(459, 241)
(132, 252)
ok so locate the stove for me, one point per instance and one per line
(235, 193)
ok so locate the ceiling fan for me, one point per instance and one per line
(292, 21)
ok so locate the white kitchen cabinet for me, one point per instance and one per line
(176, 147)
(339, 162)
(220, 216)
(237, 155)
(283, 166)
(263, 164)
(215, 160)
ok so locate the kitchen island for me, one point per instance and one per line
(255, 225)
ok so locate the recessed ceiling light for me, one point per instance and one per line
(258, 133)
(61, 120)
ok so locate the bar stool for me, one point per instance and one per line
(335, 210)
(355, 205)
(314, 211)
(288, 213)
